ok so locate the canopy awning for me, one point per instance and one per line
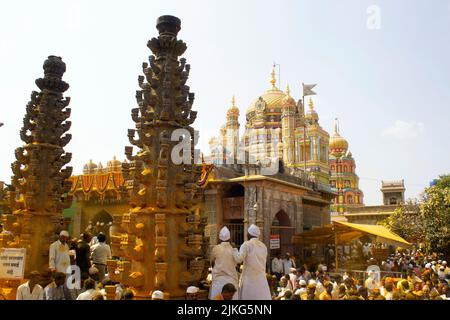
(345, 232)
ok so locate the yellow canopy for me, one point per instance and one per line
(344, 232)
(383, 234)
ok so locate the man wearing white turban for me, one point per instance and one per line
(253, 284)
(224, 259)
(59, 259)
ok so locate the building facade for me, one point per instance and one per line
(393, 193)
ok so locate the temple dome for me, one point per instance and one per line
(311, 114)
(338, 144)
(288, 100)
(114, 165)
(273, 97)
(89, 168)
(233, 111)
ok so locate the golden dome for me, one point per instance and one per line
(288, 100)
(233, 109)
(338, 145)
(114, 164)
(311, 114)
(273, 97)
(89, 167)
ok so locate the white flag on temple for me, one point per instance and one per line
(307, 89)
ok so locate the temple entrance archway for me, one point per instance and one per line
(281, 228)
(101, 222)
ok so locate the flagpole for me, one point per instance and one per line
(304, 128)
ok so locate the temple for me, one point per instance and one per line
(344, 180)
(276, 127)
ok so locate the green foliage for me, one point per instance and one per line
(427, 222)
(407, 222)
(435, 209)
(443, 181)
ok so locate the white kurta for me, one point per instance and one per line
(253, 284)
(225, 259)
(59, 258)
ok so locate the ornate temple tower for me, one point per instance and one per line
(344, 179)
(40, 182)
(162, 244)
(315, 148)
(288, 122)
(262, 136)
(232, 131)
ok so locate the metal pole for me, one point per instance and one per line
(304, 135)
(335, 248)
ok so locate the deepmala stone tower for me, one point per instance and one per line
(161, 245)
(40, 183)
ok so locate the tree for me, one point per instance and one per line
(407, 222)
(443, 181)
(428, 221)
(435, 209)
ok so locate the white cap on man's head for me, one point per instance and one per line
(224, 234)
(192, 289)
(428, 266)
(253, 230)
(302, 282)
(292, 270)
(64, 233)
(158, 295)
(444, 263)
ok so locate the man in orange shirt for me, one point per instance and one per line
(227, 293)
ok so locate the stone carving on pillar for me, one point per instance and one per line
(40, 182)
(162, 245)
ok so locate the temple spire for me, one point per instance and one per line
(311, 104)
(336, 128)
(273, 81)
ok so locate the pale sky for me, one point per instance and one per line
(389, 86)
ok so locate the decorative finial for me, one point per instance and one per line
(168, 25)
(54, 69)
(288, 91)
(272, 80)
(311, 104)
(336, 129)
(233, 101)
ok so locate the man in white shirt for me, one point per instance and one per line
(288, 263)
(89, 290)
(224, 259)
(277, 266)
(100, 253)
(253, 284)
(59, 258)
(31, 290)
